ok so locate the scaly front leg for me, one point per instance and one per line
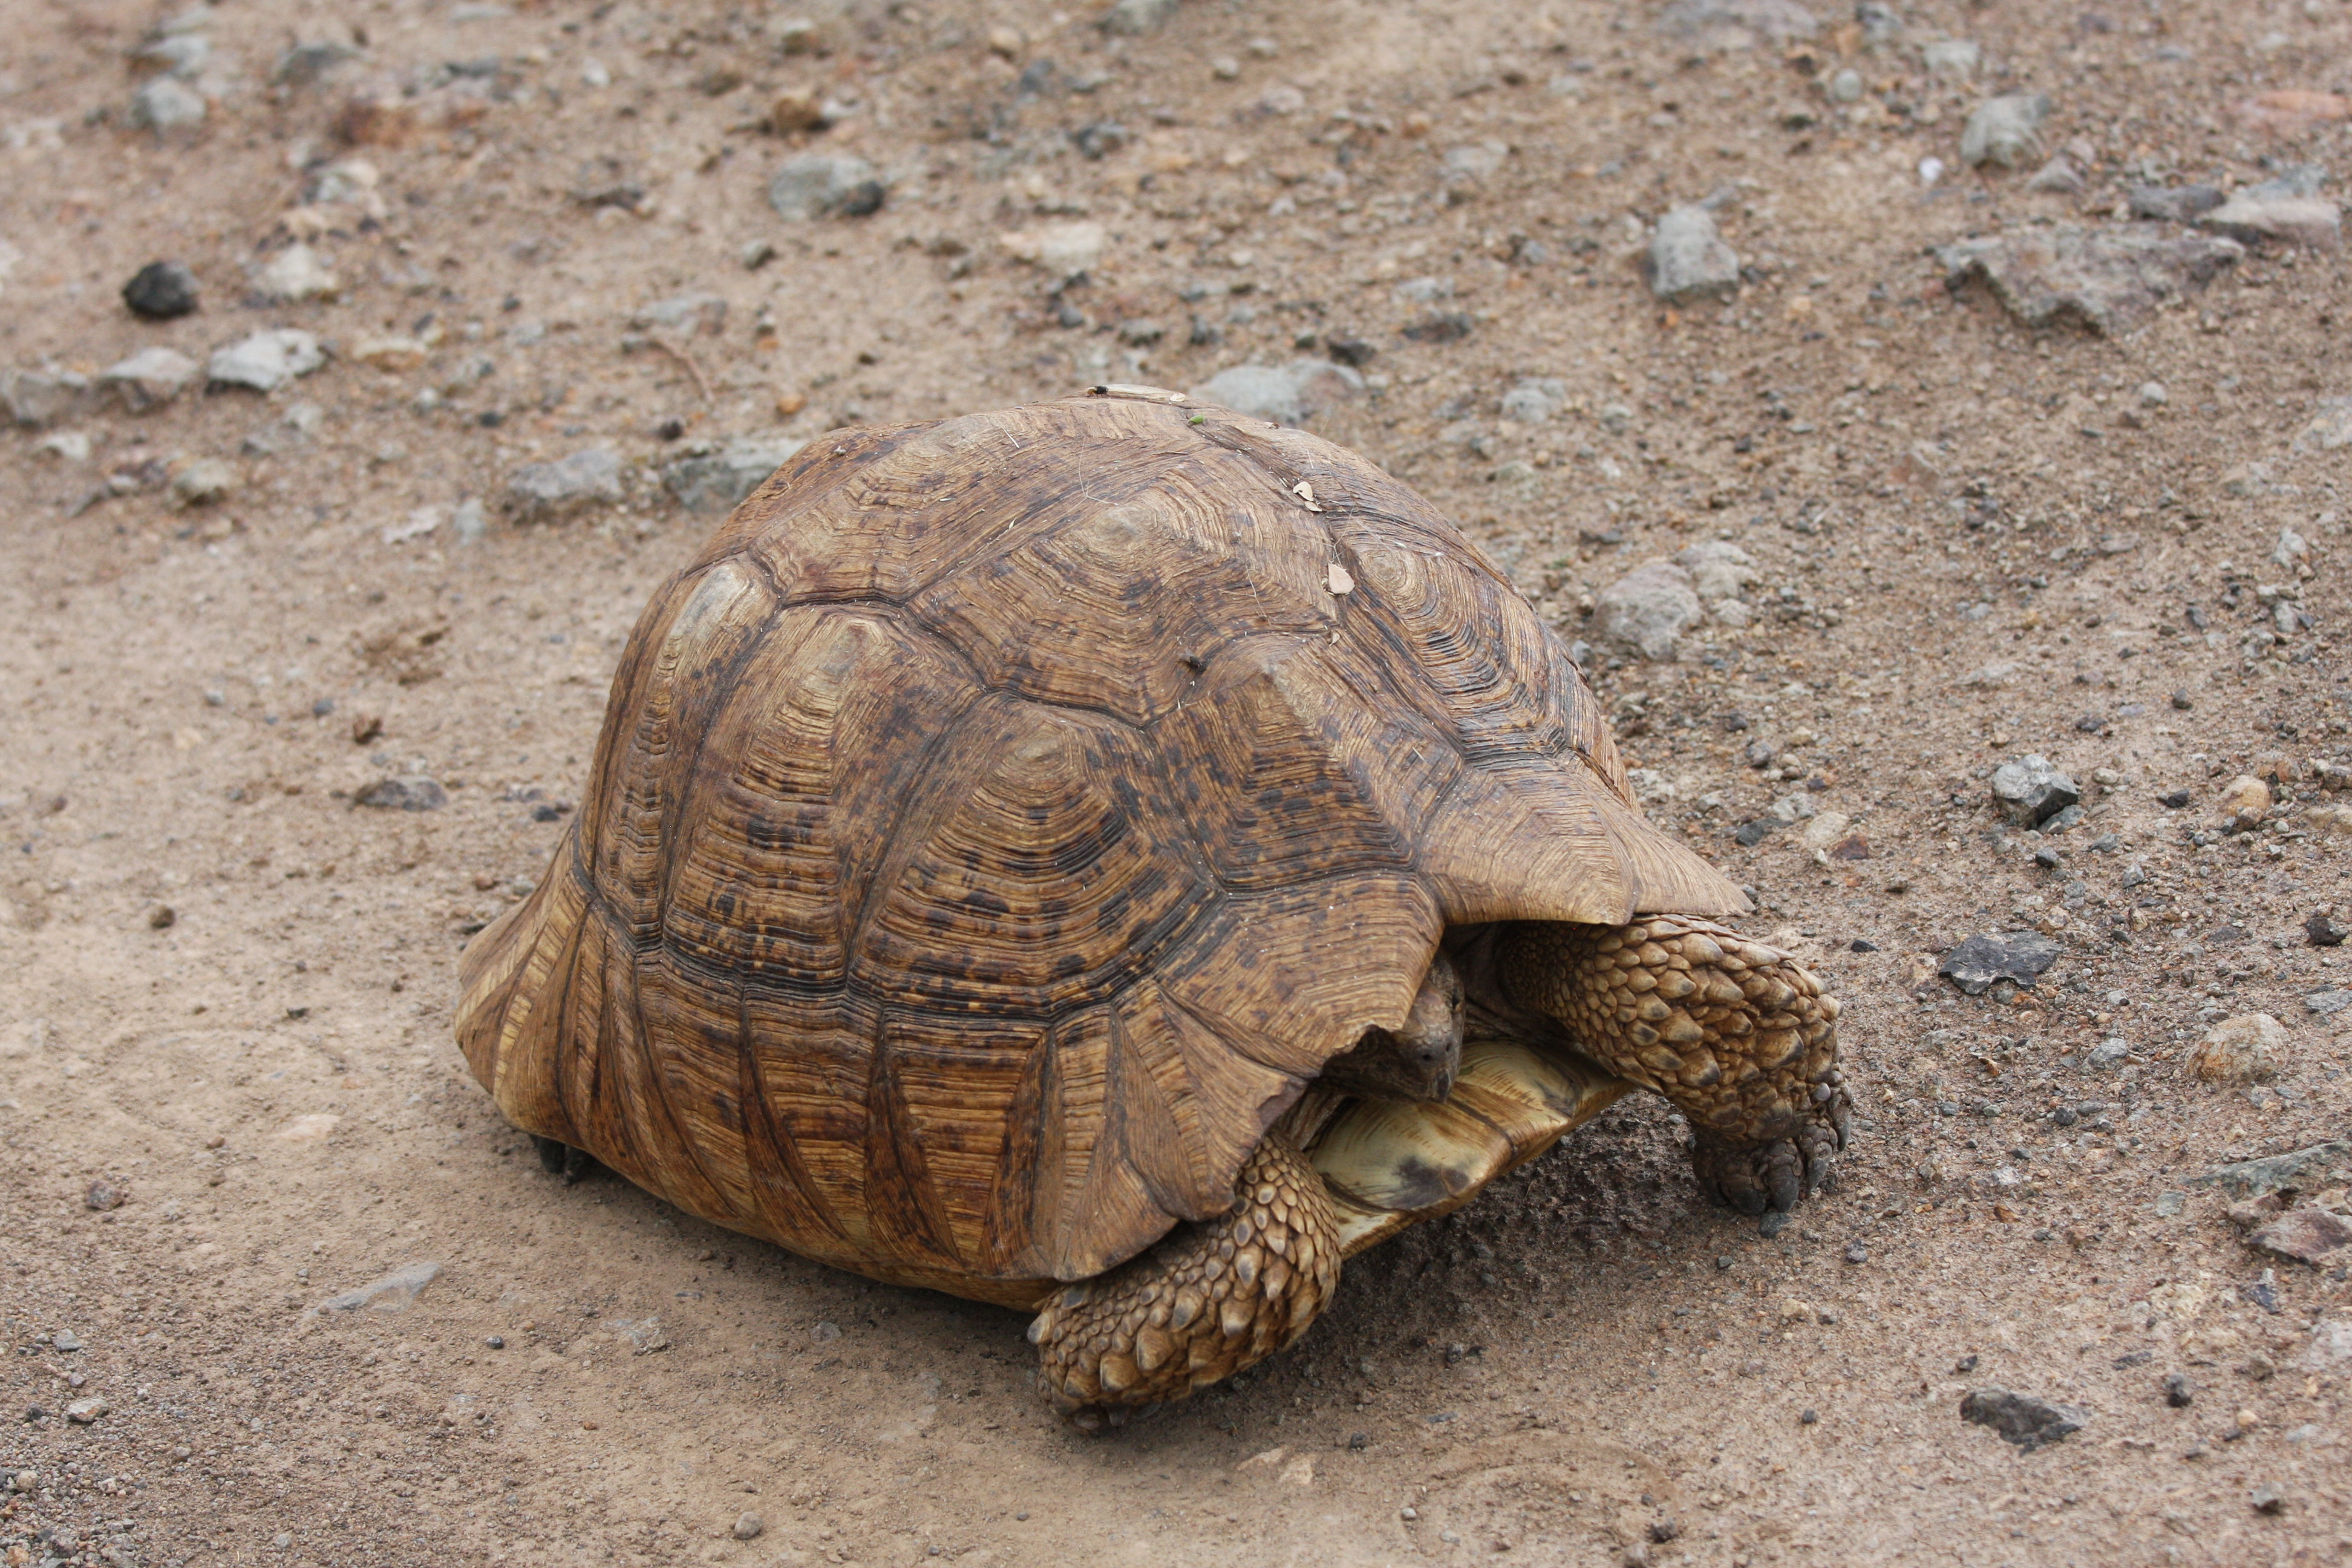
(1738, 1034)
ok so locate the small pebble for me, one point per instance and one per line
(1809, 1418)
(162, 917)
(748, 1526)
(103, 1196)
(496, 1341)
(2178, 1391)
(1855, 1252)
(65, 1340)
(2267, 1497)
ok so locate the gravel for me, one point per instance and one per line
(161, 291)
(1687, 258)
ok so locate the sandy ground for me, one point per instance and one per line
(225, 987)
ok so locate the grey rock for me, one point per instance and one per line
(1284, 395)
(391, 1293)
(34, 398)
(2107, 1054)
(698, 313)
(1845, 87)
(1954, 58)
(166, 103)
(65, 1340)
(1718, 569)
(203, 482)
(2178, 1391)
(2057, 177)
(1535, 400)
(304, 65)
(267, 359)
(2005, 130)
(83, 1412)
(718, 478)
(2032, 789)
(1134, 18)
(2109, 280)
(465, 522)
(2327, 1004)
(748, 1526)
(2286, 211)
(1736, 23)
(412, 792)
(1687, 258)
(820, 184)
(1647, 610)
(2255, 1178)
(549, 492)
(153, 375)
(1424, 291)
(2172, 204)
(1881, 25)
(2024, 1419)
(2019, 957)
(181, 54)
(161, 291)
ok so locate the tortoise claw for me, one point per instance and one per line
(1782, 1172)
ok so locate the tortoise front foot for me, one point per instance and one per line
(1738, 1034)
(1754, 1177)
(1207, 1301)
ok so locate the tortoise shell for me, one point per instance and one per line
(1000, 822)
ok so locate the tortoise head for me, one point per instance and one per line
(1419, 1058)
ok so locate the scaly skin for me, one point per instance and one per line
(1738, 1034)
(1206, 1302)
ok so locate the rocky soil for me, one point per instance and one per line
(1929, 419)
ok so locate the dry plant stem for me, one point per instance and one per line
(1206, 1302)
(701, 382)
(1738, 1034)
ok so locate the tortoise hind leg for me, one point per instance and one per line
(1206, 1300)
(561, 1159)
(1738, 1034)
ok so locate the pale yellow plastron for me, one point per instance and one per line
(1392, 1164)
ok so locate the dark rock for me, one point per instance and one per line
(2267, 1497)
(1354, 353)
(2176, 203)
(1440, 326)
(2030, 790)
(2176, 801)
(2323, 931)
(1858, 946)
(2178, 1391)
(716, 479)
(411, 793)
(1753, 833)
(103, 1196)
(1855, 1252)
(161, 291)
(2022, 1419)
(2262, 1292)
(2018, 956)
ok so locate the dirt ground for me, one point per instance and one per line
(227, 984)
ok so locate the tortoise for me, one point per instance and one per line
(1115, 857)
